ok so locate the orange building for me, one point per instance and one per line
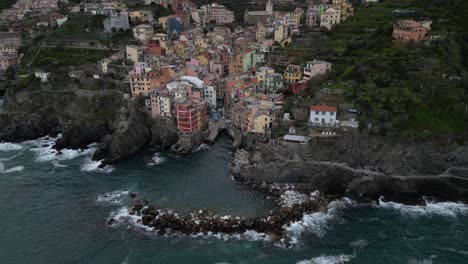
(410, 30)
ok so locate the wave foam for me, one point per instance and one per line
(340, 259)
(422, 261)
(123, 217)
(6, 146)
(95, 166)
(115, 197)
(316, 223)
(450, 209)
(10, 170)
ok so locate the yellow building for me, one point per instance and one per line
(347, 10)
(263, 122)
(201, 43)
(202, 60)
(163, 22)
(281, 33)
(293, 73)
(261, 33)
(179, 48)
(262, 72)
(141, 16)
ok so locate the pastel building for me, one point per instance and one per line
(293, 73)
(263, 122)
(330, 18)
(134, 53)
(143, 32)
(314, 68)
(161, 103)
(209, 94)
(410, 30)
(273, 83)
(191, 117)
(323, 115)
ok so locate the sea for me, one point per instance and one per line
(55, 208)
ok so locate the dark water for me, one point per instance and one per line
(55, 214)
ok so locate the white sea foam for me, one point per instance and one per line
(123, 217)
(12, 157)
(90, 165)
(58, 165)
(6, 146)
(422, 261)
(316, 223)
(450, 209)
(115, 197)
(340, 259)
(156, 159)
(201, 147)
(360, 243)
(10, 170)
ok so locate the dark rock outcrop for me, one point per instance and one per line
(365, 167)
(82, 116)
(136, 130)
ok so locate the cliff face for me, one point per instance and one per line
(83, 117)
(136, 130)
(367, 167)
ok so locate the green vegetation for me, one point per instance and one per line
(4, 4)
(56, 57)
(81, 27)
(413, 89)
(158, 10)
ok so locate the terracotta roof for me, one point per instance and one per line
(323, 108)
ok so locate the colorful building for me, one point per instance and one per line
(410, 30)
(293, 73)
(314, 68)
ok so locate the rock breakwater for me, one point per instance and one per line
(293, 206)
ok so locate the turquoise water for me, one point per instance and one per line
(54, 210)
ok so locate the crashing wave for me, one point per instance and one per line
(115, 197)
(450, 209)
(90, 165)
(156, 160)
(10, 170)
(6, 146)
(316, 223)
(123, 217)
(201, 147)
(340, 259)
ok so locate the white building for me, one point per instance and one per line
(323, 115)
(330, 18)
(104, 64)
(314, 68)
(209, 93)
(44, 76)
(143, 32)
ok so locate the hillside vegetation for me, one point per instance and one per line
(414, 89)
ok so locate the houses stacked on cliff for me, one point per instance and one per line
(327, 14)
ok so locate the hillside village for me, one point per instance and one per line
(196, 65)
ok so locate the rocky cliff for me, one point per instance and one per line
(365, 167)
(82, 116)
(136, 130)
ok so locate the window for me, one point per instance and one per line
(316, 119)
(323, 113)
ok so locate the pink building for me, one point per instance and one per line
(161, 103)
(216, 68)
